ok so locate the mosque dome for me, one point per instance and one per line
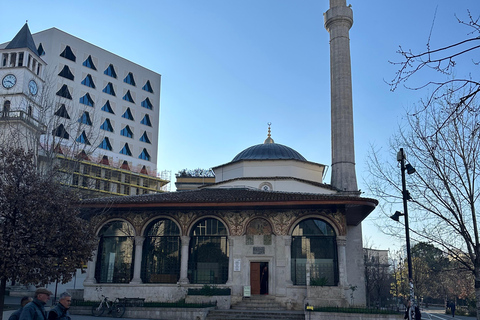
(269, 150)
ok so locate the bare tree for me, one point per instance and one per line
(42, 239)
(443, 145)
(443, 59)
(378, 277)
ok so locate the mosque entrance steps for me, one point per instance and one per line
(234, 314)
(256, 307)
(258, 302)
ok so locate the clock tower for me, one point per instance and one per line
(21, 88)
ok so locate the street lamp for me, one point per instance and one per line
(396, 216)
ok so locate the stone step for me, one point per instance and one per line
(254, 315)
(258, 303)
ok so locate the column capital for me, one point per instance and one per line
(139, 240)
(341, 241)
(185, 240)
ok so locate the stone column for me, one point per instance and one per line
(288, 259)
(230, 261)
(338, 21)
(9, 59)
(137, 265)
(184, 261)
(342, 261)
(90, 278)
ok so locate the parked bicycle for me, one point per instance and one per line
(115, 308)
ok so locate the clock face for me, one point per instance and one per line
(32, 86)
(9, 81)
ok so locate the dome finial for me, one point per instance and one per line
(269, 139)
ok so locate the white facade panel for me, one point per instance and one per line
(54, 42)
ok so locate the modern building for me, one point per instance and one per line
(95, 113)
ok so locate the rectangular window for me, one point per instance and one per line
(13, 58)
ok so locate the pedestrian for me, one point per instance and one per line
(60, 311)
(35, 310)
(264, 281)
(452, 308)
(23, 302)
(417, 315)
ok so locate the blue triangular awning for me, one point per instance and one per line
(23, 39)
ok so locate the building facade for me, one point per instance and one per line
(248, 230)
(91, 107)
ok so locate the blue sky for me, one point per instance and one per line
(231, 66)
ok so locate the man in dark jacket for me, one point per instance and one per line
(16, 314)
(60, 311)
(35, 310)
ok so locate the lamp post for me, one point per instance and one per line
(406, 196)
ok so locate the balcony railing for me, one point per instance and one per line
(23, 116)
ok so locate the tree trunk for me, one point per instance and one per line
(477, 290)
(3, 285)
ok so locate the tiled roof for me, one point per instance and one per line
(23, 39)
(222, 195)
(355, 208)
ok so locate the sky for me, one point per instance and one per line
(229, 67)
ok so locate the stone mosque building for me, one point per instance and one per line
(268, 225)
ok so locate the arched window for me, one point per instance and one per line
(314, 243)
(161, 252)
(115, 253)
(208, 252)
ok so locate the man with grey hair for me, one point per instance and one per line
(60, 311)
(35, 310)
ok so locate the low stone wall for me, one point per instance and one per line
(154, 313)
(223, 302)
(150, 292)
(311, 315)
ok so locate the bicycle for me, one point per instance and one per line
(113, 307)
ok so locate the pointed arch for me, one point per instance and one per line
(89, 63)
(148, 87)
(67, 53)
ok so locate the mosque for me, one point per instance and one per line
(269, 225)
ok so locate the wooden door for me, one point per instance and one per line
(255, 277)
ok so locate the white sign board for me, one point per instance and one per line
(236, 264)
(246, 291)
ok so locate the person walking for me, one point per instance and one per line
(60, 311)
(35, 310)
(17, 313)
(452, 308)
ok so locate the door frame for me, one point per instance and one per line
(271, 272)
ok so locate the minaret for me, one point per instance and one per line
(338, 21)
